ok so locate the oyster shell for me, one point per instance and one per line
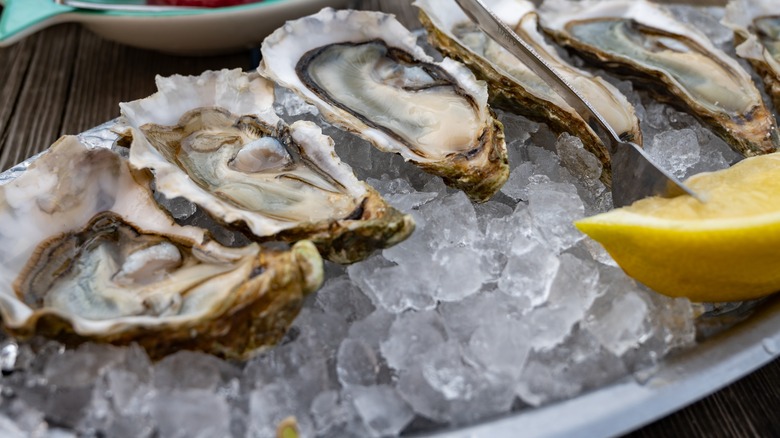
(514, 87)
(756, 26)
(215, 140)
(89, 256)
(365, 73)
(676, 63)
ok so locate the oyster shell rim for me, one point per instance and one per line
(763, 127)
(342, 239)
(748, 46)
(491, 150)
(302, 273)
(517, 97)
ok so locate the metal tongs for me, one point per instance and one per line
(634, 174)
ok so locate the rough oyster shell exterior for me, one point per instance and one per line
(478, 167)
(346, 219)
(516, 88)
(740, 16)
(718, 92)
(226, 301)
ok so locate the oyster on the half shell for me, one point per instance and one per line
(90, 256)
(675, 62)
(514, 87)
(366, 73)
(756, 26)
(216, 141)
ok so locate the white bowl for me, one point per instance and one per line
(208, 31)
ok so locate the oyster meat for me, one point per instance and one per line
(90, 256)
(514, 87)
(675, 62)
(366, 73)
(216, 141)
(756, 26)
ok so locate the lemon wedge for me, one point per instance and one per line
(724, 249)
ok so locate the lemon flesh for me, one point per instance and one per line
(724, 249)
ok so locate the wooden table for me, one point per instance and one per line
(65, 80)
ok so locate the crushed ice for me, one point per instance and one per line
(485, 309)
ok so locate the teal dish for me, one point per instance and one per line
(189, 31)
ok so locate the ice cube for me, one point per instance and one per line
(340, 297)
(23, 417)
(458, 274)
(357, 363)
(394, 287)
(303, 366)
(491, 210)
(516, 185)
(580, 162)
(553, 207)
(412, 334)
(383, 411)
(400, 193)
(501, 233)
(453, 219)
(373, 329)
(271, 404)
(529, 271)
(442, 386)
(191, 413)
(571, 294)
(676, 151)
(335, 416)
(578, 363)
(587, 170)
(187, 370)
(465, 316)
(619, 320)
(9, 429)
(517, 129)
(501, 346)
(83, 366)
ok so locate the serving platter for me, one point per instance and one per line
(748, 337)
(639, 398)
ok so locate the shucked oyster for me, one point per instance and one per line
(513, 86)
(676, 63)
(89, 256)
(756, 26)
(365, 73)
(215, 140)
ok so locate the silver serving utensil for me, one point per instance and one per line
(120, 5)
(634, 174)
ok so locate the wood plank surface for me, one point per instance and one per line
(64, 80)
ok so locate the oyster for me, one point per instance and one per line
(514, 87)
(676, 63)
(215, 140)
(756, 26)
(89, 256)
(365, 73)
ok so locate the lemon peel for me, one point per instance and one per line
(724, 249)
